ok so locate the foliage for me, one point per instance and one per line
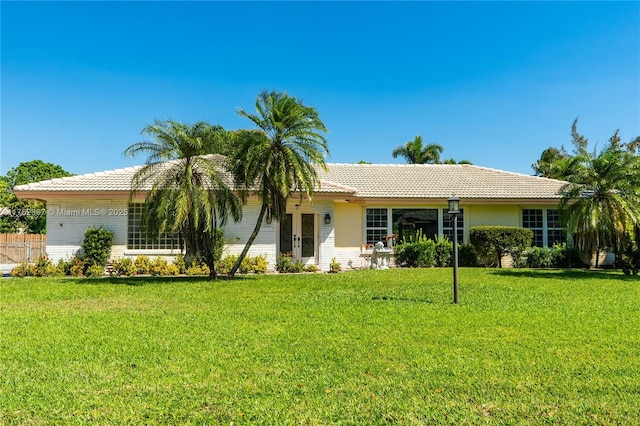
(124, 267)
(188, 194)
(361, 348)
(444, 252)
(467, 255)
(29, 215)
(601, 205)
(540, 257)
(334, 266)
(415, 153)
(567, 257)
(142, 264)
(95, 270)
(226, 263)
(416, 251)
(201, 269)
(629, 260)
(22, 270)
(285, 264)
(77, 266)
(310, 268)
(260, 264)
(96, 246)
(159, 267)
(278, 160)
(492, 242)
(180, 263)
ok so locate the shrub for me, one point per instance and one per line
(23, 270)
(159, 267)
(260, 264)
(124, 266)
(311, 268)
(64, 266)
(95, 270)
(43, 267)
(540, 257)
(492, 242)
(419, 254)
(567, 257)
(286, 264)
(172, 269)
(202, 269)
(467, 255)
(142, 264)
(96, 247)
(444, 252)
(335, 266)
(180, 264)
(246, 265)
(226, 263)
(77, 267)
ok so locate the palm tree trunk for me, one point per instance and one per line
(252, 237)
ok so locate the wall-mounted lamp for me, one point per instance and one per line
(327, 219)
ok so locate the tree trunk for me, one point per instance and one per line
(252, 237)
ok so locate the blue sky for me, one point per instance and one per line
(493, 82)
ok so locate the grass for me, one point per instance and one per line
(365, 347)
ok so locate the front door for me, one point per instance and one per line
(297, 236)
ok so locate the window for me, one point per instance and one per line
(136, 239)
(447, 225)
(408, 223)
(545, 224)
(377, 225)
(532, 219)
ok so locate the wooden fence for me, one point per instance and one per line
(18, 248)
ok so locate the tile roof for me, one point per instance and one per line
(412, 181)
(439, 181)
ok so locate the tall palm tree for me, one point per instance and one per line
(601, 204)
(185, 188)
(277, 161)
(415, 153)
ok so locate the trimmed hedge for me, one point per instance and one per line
(492, 242)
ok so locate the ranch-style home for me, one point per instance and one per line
(355, 205)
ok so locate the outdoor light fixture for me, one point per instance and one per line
(327, 219)
(454, 211)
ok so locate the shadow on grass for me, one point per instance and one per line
(401, 299)
(565, 274)
(149, 280)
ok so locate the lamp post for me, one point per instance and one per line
(454, 210)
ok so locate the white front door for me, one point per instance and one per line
(297, 236)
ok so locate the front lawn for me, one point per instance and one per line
(364, 347)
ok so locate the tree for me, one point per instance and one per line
(277, 161)
(186, 191)
(415, 153)
(601, 204)
(453, 161)
(553, 164)
(28, 215)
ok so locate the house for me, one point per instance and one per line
(355, 205)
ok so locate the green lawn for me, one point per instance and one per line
(364, 347)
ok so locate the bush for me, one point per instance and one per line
(567, 257)
(95, 270)
(334, 266)
(492, 242)
(159, 267)
(286, 264)
(23, 270)
(180, 264)
(96, 247)
(310, 268)
(77, 267)
(260, 264)
(124, 267)
(419, 254)
(467, 255)
(198, 270)
(540, 257)
(444, 252)
(172, 269)
(142, 264)
(226, 263)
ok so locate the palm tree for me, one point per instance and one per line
(186, 189)
(601, 204)
(278, 160)
(415, 153)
